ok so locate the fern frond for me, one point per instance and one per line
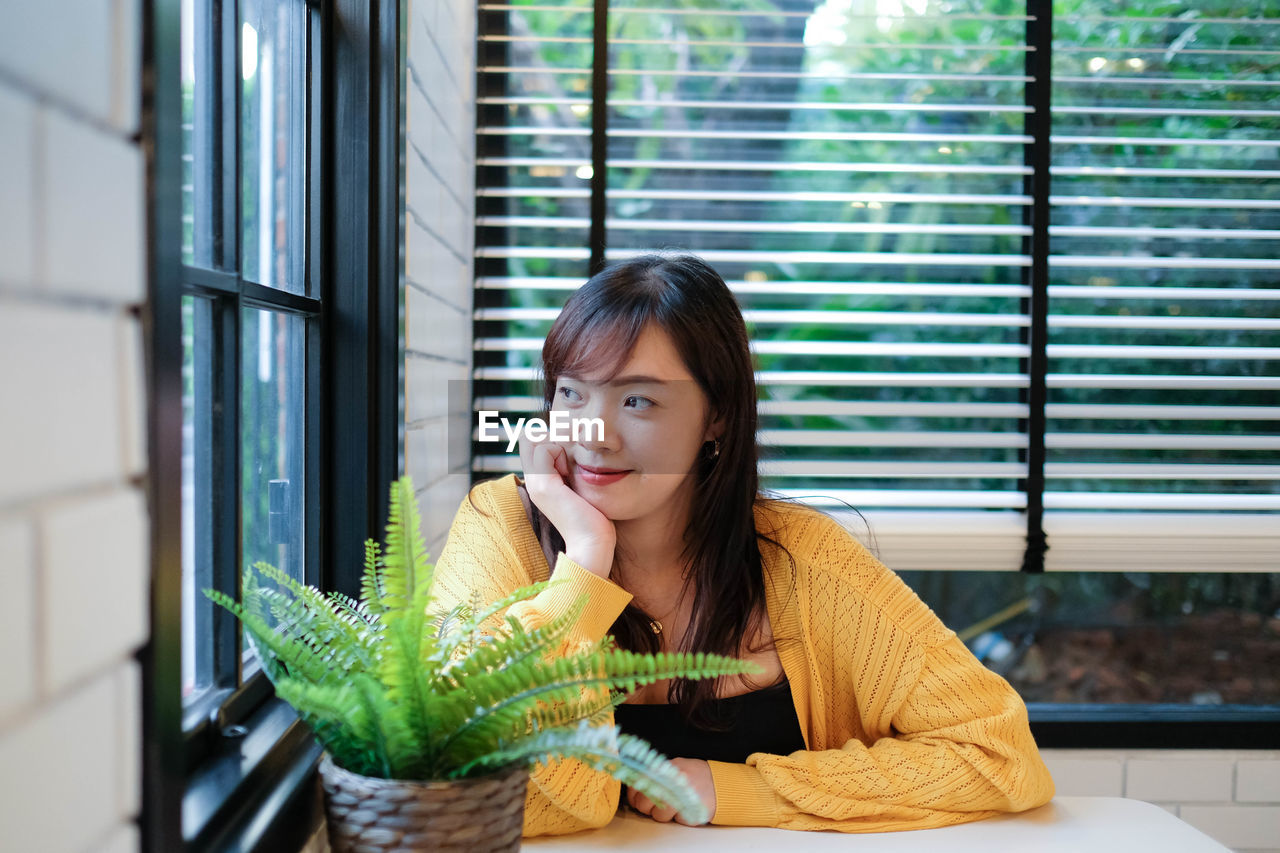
(394, 744)
(591, 707)
(407, 574)
(504, 698)
(504, 650)
(344, 643)
(448, 623)
(371, 586)
(473, 618)
(333, 712)
(628, 759)
(284, 653)
(355, 613)
(408, 685)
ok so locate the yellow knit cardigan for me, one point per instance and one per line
(903, 727)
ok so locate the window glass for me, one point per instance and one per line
(271, 450)
(200, 204)
(244, 368)
(197, 461)
(273, 142)
(1189, 638)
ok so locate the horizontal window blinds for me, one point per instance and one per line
(858, 175)
(1165, 329)
(1164, 333)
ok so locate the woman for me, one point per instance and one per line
(870, 715)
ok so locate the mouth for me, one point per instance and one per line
(600, 476)
(590, 469)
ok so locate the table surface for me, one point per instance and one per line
(1066, 824)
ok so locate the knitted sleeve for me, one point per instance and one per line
(939, 738)
(479, 559)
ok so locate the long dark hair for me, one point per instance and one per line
(598, 329)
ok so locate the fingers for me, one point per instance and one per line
(589, 536)
(546, 465)
(560, 458)
(639, 801)
(646, 806)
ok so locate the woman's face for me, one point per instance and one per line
(655, 423)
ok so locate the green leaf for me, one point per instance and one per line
(628, 759)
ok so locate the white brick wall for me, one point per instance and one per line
(93, 211)
(1230, 795)
(94, 583)
(1257, 781)
(439, 243)
(18, 629)
(17, 231)
(73, 525)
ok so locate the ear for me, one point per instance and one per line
(714, 431)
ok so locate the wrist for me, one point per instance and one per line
(595, 557)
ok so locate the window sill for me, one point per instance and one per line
(258, 791)
(1099, 726)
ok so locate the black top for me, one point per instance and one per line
(759, 721)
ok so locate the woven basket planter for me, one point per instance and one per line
(371, 815)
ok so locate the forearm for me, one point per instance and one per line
(839, 790)
(962, 749)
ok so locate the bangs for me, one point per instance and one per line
(598, 342)
(604, 346)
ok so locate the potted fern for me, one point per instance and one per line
(431, 720)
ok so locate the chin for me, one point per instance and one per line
(607, 505)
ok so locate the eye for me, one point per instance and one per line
(635, 401)
(569, 394)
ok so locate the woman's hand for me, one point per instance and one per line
(698, 772)
(589, 536)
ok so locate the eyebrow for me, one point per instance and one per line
(629, 379)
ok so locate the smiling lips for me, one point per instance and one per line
(600, 476)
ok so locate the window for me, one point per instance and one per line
(251, 315)
(1009, 275)
(269, 313)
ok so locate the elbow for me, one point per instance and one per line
(1016, 775)
(1026, 783)
(563, 823)
(1037, 788)
(573, 811)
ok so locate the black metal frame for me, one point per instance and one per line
(250, 783)
(161, 658)
(1105, 726)
(1037, 125)
(228, 293)
(599, 234)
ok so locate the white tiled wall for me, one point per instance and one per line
(1231, 795)
(439, 239)
(73, 523)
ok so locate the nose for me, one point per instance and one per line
(596, 431)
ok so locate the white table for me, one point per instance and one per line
(1064, 825)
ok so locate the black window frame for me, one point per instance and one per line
(242, 768)
(219, 188)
